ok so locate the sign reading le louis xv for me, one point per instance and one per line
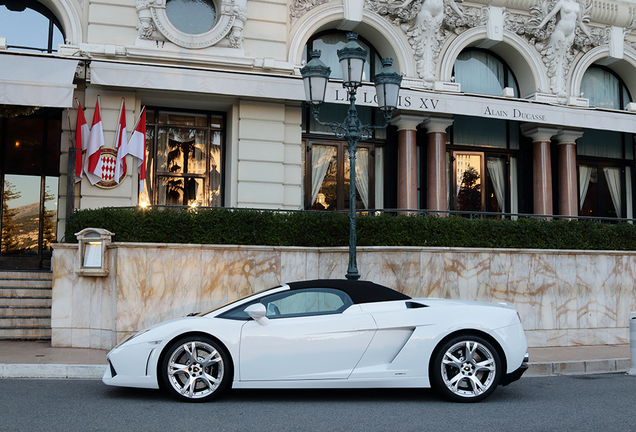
(405, 102)
(416, 101)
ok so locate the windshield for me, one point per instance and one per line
(234, 301)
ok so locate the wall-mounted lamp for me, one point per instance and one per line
(92, 256)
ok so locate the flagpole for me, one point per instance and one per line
(141, 160)
(121, 106)
(132, 131)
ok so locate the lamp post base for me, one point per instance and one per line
(352, 274)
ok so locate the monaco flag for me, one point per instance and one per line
(120, 143)
(92, 160)
(81, 141)
(137, 147)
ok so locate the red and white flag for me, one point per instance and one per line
(81, 141)
(121, 144)
(92, 160)
(137, 147)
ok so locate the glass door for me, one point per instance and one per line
(29, 178)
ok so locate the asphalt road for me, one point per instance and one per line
(565, 403)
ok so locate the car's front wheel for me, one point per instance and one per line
(196, 369)
(466, 369)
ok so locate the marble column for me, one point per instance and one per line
(407, 160)
(541, 167)
(437, 190)
(567, 184)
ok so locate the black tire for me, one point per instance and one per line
(196, 369)
(466, 368)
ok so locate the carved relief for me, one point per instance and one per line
(427, 24)
(153, 24)
(298, 8)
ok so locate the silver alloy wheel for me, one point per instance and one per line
(468, 369)
(195, 369)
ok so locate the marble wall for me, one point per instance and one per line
(564, 298)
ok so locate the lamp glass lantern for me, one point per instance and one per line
(315, 76)
(352, 58)
(387, 86)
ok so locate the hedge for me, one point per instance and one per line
(324, 229)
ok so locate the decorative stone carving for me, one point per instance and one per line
(427, 23)
(628, 31)
(236, 35)
(153, 24)
(298, 8)
(560, 30)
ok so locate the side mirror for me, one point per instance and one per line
(257, 312)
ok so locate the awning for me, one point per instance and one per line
(36, 81)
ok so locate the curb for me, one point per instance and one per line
(97, 371)
(52, 371)
(578, 367)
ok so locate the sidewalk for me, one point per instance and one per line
(39, 360)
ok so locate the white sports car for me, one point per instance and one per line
(328, 334)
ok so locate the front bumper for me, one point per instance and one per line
(515, 375)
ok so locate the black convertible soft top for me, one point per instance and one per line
(359, 291)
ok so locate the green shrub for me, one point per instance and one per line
(325, 229)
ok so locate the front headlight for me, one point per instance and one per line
(128, 338)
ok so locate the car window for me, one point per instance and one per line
(304, 302)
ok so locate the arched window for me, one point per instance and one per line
(483, 152)
(605, 158)
(29, 26)
(604, 88)
(482, 72)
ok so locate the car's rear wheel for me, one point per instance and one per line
(196, 369)
(466, 369)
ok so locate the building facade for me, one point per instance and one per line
(506, 106)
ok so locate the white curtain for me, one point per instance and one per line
(514, 192)
(496, 168)
(449, 186)
(321, 158)
(379, 177)
(362, 175)
(585, 174)
(628, 192)
(613, 177)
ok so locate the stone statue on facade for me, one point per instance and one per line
(426, 23)
(239, 9)
(560, 23)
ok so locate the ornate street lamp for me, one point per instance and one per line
(387, 83)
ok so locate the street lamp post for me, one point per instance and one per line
(387, 83)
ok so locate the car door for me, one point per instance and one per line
(306, 334)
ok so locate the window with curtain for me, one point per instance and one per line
(482, 182)
(482, 72)
(602, 190)
(30, 26)
(328, 176)
(184, 154)
(604, 88)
